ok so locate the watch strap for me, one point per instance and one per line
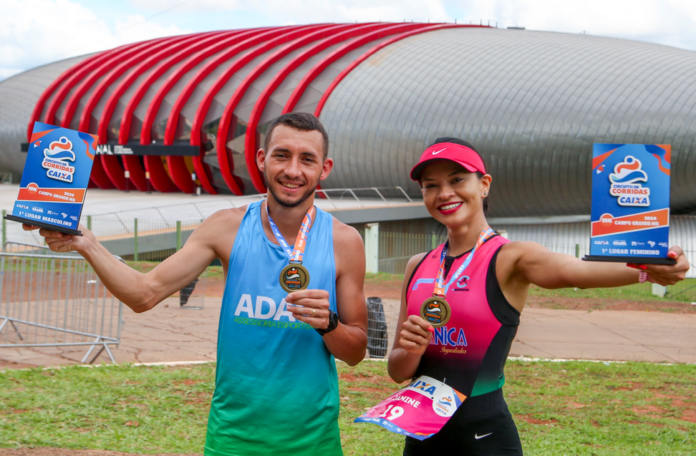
(333, 323)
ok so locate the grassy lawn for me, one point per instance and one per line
(573, 408)
(684, 291)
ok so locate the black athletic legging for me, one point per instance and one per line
(484, 428)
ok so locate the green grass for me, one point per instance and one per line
(684, 291)
(569, 408)
(378, 277)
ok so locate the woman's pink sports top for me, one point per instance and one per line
(469, 353)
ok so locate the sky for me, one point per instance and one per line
(37, 32)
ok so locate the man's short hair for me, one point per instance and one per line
(299, 121)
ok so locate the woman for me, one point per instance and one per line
(485, 280)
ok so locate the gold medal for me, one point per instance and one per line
(436, 311)
(294, 277)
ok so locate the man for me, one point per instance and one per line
(276, 383)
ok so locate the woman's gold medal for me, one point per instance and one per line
(436, 311)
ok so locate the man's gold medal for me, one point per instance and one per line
(294, 277)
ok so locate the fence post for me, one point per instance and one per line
(372, 247)
(178, 235)
(89, 222)
(135, 239)
(4, 229)
(577, 250)
(433, 241)
(659, 290)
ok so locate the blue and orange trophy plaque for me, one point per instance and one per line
(630, 203)
(55, 178)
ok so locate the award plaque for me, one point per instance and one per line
(630, 203)
(55, 178)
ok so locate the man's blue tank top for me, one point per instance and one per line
(276, 387)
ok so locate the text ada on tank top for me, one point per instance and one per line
(469, 353)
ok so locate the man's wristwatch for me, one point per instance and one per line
(333, 323)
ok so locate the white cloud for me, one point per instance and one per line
(137, 28)
(36, 32)
(671, 22)
(310, 11)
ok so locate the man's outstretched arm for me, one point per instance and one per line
(140, 291)
(348, 341)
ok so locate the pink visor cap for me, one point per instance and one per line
(457, 153)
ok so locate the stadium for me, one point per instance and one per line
(187, 113)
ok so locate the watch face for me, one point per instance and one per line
(333, 323)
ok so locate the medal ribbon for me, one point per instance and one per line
(295, 255)
(440, 288)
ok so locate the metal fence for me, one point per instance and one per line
(49, 300)
(395, 249)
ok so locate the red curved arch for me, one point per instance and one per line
(197, 40)
(313, 73)
(112, 164)
(99, 175)
(133, 166)
(200, 167)
(265, 41)
(373, 50)
(225, 165)
(81, 70)
(177, 164)
(41, 102)
(250, 145)
(88, 73)
(160, 179)
(178, 171)
(241, 90)
(106, 70)
(144, 86)
(188, 65)
(131, 163)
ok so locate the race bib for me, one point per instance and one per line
(419, 410)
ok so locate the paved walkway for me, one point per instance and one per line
(171, 334)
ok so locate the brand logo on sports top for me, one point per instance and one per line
(420, 281)
(625, 183)
(264, 309)
(462, 284)
(449, 337)
(55, 158)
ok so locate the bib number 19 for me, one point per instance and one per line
(394, 413)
